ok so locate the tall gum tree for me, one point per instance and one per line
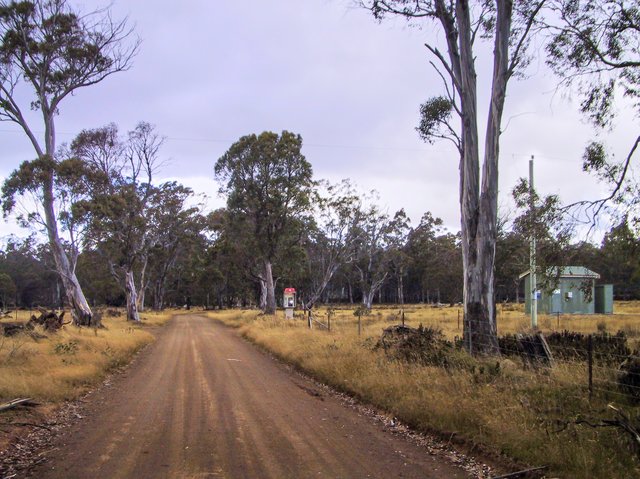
(509, 24)
(52, 51)
(268, 183)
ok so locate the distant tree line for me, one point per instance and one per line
(152, 246)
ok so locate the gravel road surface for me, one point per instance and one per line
(203, 403)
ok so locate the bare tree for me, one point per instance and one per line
(462, 22)
(373, 232)
(52, 51)
(331, 242)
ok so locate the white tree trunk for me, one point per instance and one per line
(80, 310)
(321, 287)
(131, 294)
(158, 295)
(270, 306)
(263, 294)
(367, 298)
(143, 284)
(479, 204)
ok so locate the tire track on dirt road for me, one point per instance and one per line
(203, 403)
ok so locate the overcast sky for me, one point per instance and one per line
(210, 72)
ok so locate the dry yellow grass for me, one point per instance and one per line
(66, 363)
(523, 413)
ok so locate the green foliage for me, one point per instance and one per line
(361, 310)
(594, 158)
(595, 46)
(620, 260)
(28, 178)
(435, 115)
(30, 269)
(546, 222)
(7, 290)
(56, 50)
(435, 271)
(268, 182)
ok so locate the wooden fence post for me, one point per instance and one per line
(590, 361)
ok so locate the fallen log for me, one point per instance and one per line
(16, 403)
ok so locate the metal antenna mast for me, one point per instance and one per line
(532, 251)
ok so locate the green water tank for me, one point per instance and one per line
(604, 299)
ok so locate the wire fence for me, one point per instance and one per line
(603, 364)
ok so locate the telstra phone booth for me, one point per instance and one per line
(289, 301)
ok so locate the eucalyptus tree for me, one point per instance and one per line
(8, 291)
(119, 175)
(173, 228)
(462, 23)
(595, 48)
(620, 259)
(543, 218)
(512, 259)
(331, 238)
(399, 257)
(446, 268)
(97, 281)
(232, 255)
(28, 264)
(268, 183)
(374, 233)
(436, 263)
(422, 248)
(51, 51)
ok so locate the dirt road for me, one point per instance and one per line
(203, 403)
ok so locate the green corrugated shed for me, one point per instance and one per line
(569, 295)
(604, 299)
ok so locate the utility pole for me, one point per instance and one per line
(532, 251)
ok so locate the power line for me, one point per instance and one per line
(308, 145)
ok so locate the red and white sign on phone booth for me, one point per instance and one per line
(289, 301)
